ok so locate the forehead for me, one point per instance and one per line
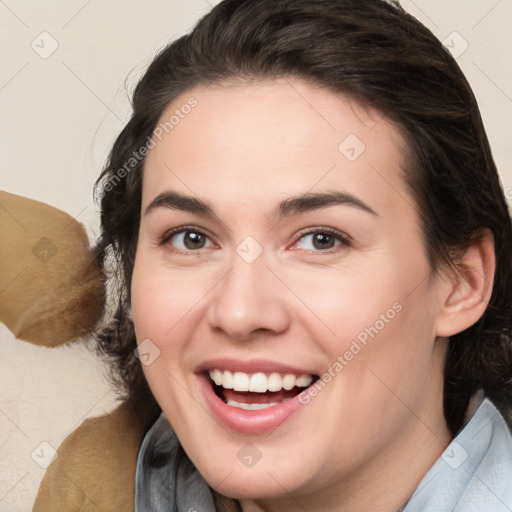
(249, 145)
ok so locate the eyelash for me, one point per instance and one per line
(341, 237)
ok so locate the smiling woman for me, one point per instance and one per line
(315, 263)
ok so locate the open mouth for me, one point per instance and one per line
(257, 391)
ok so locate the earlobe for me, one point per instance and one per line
(467, 291)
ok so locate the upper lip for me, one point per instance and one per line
(252, 366)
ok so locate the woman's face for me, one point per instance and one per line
(279, 244)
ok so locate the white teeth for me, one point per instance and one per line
(240, 381)
(217, 377)
(250, 407)
(259, 382)
(226, 381)
(254, 407)
(304, 381)
(289, 381)
(274, 382)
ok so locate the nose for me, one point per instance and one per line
(248, 299)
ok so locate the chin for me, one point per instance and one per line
(273, 476)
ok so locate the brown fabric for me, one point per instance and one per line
(223, 504)
(95, 467)
(52, 292)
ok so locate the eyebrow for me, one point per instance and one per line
(291, 206)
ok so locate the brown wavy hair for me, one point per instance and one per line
(382, 57)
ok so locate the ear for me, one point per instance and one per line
(467, 290)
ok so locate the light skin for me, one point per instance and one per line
(371, 434)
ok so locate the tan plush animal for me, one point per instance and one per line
(53, 294)
(95, 467)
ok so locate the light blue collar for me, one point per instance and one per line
(474, 473)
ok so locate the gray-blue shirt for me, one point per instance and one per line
(474, 473)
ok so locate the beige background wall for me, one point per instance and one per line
(59, 114)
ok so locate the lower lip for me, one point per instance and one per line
(249, 422)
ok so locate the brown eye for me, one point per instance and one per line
(194, 240)
(189, 240)
(321, 240)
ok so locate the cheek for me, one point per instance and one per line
(391, 355)
(159, 307)
(382, 316)
(162, 299)
(344, 302)
(168, 305)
